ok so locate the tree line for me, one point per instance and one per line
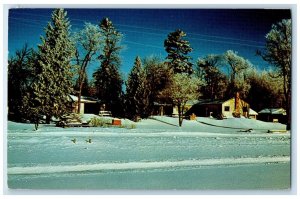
(40, 81)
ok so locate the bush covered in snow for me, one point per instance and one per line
(98, 121)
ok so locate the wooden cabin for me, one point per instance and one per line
(273, 115)
(233, 107)
(87, 105)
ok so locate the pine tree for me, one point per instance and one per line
(178, 49)
(49, 93)
(265, 91)
(158, 75)
(215, 81)
(136, 99)
(108, 80)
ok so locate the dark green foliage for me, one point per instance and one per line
(144, 85)
(178, 49)
(49, 93)
(136, 92)
(158, 75)
(20, 76)
(108, 81)
(85, 86)
(264, 91)
(214, 81)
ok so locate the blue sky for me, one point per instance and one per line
(209, 31)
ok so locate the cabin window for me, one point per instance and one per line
(226, 108)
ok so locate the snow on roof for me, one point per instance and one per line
(192, 102)
(83, 99)
(208, 101)
(211, 102)
(188, 103)
(161, 104)
(273, 111)
(252, 112)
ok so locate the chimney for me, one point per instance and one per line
(237, 103)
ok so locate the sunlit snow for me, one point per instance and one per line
(157, 154)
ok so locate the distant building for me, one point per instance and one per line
(188, 105)
(273, 115)
(87, 105)
(171, 109)
(234, 107)
(162, 109)
(252, 114)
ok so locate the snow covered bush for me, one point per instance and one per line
(96, 122)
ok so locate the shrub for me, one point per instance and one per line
(99, 122)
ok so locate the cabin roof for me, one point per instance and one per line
(273, 111)
(84, 99)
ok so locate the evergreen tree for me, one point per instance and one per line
(49, 93)
(158, 75)
(265, 91)
(108, 80)
(136, 99)
(215, 81)
(178, 49)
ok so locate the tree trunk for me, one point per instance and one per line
(179, 115)
(287, 95)
(80, 82)
(79, 98)
(48, 119)
(288, 113)
(36, 124)
(82, 77)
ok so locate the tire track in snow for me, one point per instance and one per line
(144, 165)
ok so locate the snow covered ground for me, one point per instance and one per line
(157, 154)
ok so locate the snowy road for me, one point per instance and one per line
(145, 158)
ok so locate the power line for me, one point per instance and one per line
(153, 46)
(159, 34)
(34, 24)
(37, 22)
(200, 39)
(155, 29)
(191, 33)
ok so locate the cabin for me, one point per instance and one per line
(234, 107)
(273, 115)
(188, 105)
(171, 109)
(88, 105)
(162, 108)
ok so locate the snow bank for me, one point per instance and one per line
(144, 165)
(242, 123)
(144, 128)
